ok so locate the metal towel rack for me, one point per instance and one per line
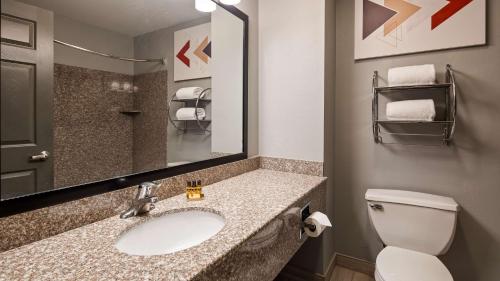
(162, 60)
(200, 102)
(447, 126)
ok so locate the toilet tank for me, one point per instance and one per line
(412, 220)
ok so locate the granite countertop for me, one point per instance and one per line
(247, 202)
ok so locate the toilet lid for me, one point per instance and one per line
(397, 264)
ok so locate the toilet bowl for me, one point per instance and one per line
(416, 227)
(398, 264)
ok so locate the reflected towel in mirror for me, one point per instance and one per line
(189, 113)
(189, 93)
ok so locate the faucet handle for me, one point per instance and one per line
(146, 190)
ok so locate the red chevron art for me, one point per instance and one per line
(182, 54)
(448, 11)
(193, 52)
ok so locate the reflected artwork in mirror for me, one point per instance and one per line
(102, 95)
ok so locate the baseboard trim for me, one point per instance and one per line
(355, 264)
(329, 270)
(294, 273)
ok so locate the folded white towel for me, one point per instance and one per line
(412, 75)
(189, 113)
(411, 110)
(189, 93)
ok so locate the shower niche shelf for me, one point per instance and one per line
(192, 100)
(438, 132)
(131, 112)
(197, 124)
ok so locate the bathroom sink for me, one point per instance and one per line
(170, 233)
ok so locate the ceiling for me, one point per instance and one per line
(129, 17)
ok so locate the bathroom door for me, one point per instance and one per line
(27, 62)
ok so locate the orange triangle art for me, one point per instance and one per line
(404, 9)
(199, 51)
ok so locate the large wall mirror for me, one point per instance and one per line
(98, 95)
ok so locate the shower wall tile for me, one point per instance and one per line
(92, 139)
(150, 126)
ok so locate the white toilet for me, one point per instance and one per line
(415, 227)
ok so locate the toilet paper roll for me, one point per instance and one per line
(320, 221)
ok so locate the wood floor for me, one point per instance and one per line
(343, 274)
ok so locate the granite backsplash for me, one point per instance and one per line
(28, 227)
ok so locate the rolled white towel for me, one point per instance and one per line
(189, 93)
(412, 75)
(411, 110)
(189, 113)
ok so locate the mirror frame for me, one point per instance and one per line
(58, 196)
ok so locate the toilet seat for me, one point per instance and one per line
(397, 264)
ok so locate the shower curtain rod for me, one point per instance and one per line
(162, 60)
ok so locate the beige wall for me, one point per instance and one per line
(469, 170)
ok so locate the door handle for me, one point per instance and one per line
(44, 155)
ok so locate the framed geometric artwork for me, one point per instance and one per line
(193, 52)
(394, 27)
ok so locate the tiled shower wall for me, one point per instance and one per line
(150, 127)
(92, 139)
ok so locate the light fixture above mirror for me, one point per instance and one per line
(230, 2)
(208, 6)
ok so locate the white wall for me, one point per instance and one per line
(227, 82)
(291, 78)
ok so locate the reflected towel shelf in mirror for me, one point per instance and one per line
(200, 102)
(191, 100)
(201, 120)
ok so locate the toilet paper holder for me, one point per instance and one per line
(304, 213)
(311, 227)
(312, 224)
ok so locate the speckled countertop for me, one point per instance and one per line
(247, 202)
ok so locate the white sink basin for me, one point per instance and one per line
(170, 233)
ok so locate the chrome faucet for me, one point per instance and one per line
(143, 202)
